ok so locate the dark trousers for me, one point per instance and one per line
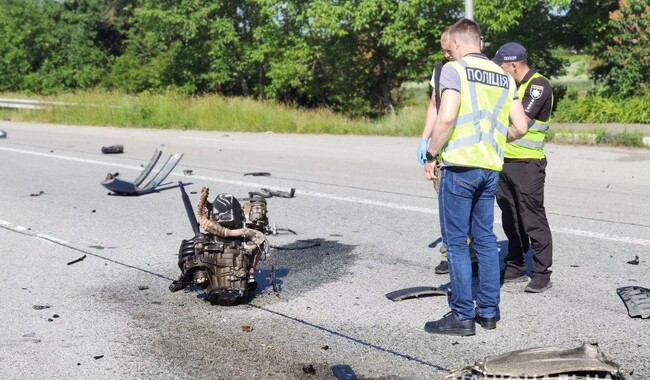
(521, 199)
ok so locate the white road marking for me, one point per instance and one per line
(51, 239)
(568, 231)
(4, 222)
(21, 228)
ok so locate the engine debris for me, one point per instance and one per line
(222, 259)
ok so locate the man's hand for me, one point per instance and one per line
(430, 170)
(422, 150)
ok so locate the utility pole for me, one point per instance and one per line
(469, 9)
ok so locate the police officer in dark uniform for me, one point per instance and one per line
(521, 184)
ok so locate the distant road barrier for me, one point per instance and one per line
(29, 104)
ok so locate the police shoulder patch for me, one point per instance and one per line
(536, 91)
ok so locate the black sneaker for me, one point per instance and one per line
(537, 285)
(451, 325)
(487, 323)
(442, 268)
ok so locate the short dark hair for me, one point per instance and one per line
(466, 30)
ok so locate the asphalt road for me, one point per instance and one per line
(364, 200)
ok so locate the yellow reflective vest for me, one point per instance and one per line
(478, 138)
(532, 144)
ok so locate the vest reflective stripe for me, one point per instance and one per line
(478, 138)
(532, 144)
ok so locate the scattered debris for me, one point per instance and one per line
(96, 357)
(77, 260)
(309, 369)
(3, 135)
(96, 247)
(455, 343)
(143, 287)
(542, 362)
(635, 261)
(50, 319)
(188, 172)
(574, 266)
(343, 372)
(296, 248)
(29, 335)
(325, 347)
(40, 307)
(259, 174)
(37, 194)
(140, 185)
(289, 230)
(113, 149)
(416, 292)
(55, 316)
(636, 299)
(193, 192)
(247, 328)
(268, 193)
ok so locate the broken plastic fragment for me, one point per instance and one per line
(636, 299)
(141, 185)
(113, 149)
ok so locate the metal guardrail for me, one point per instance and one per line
(29, 104)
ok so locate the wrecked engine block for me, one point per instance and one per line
(222, 259)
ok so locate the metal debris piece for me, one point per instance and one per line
(416, 292)
(3, 135)
(143, 287)
(259, 174)
(343, 372)
(635, 261)
(37, 194)
(40, 307)
(113, 149)
(309, 369)
(98, 357)
(268, 193)
(188, 172)
(247, 328)
(544, 363)
(636, 299)
(141, 185)
(77, 260)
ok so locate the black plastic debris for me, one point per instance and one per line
(40, 307)
(77, 260)
(281, 248)
(325, 347)
(55, 316)
(636, 299)
(635, 261)
(96, 357)
(259, 174)
(343, 372)
(142, 287)
(113, 149)
(3, 135)
(37, 194)
(50, 319)
(309, 369)
(416, 292)
(188, 172)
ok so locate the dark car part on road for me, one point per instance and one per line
(77, 260)
(222, 260)
(141, 185)
(635, 261)
(416, 292)
(584, 362)
(113, 149)
(636, 299)
(343, 372)
(259, 174)
(37, 194)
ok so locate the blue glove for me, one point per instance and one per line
(422, 151)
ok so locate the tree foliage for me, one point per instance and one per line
(351, 56)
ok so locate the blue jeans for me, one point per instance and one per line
(467, 198)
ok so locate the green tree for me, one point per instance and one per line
(624, 57)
